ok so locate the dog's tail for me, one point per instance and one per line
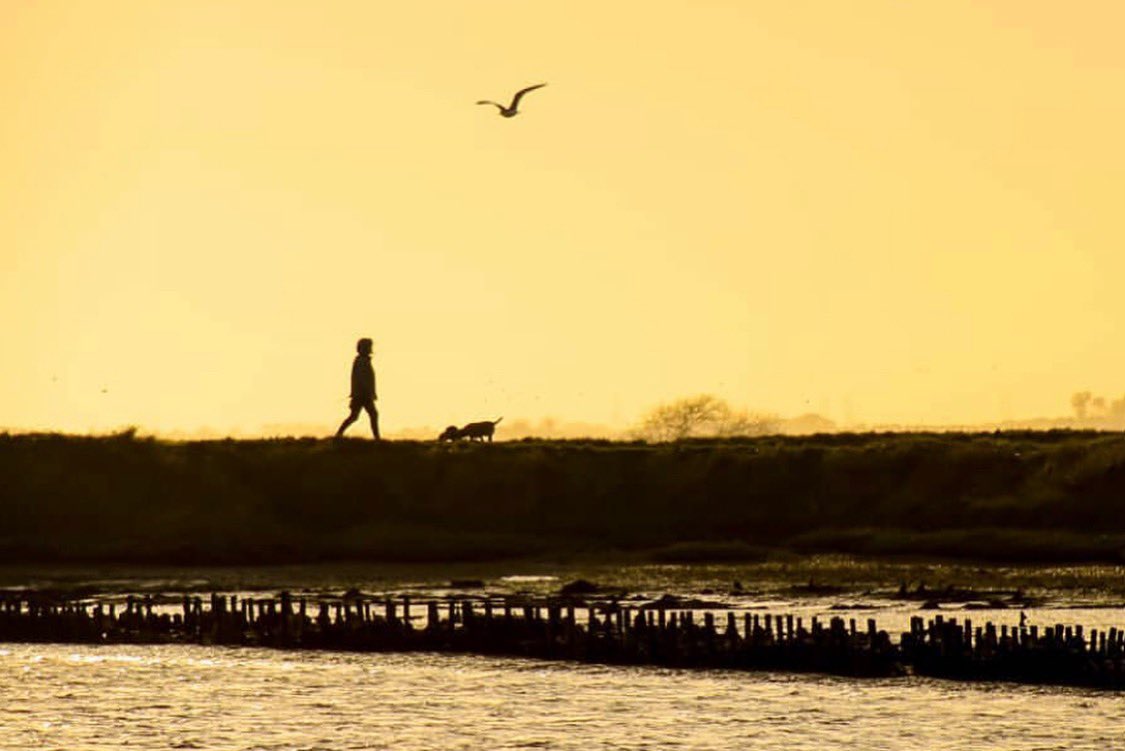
(497, 420)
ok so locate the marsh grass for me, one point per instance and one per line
(1056, 496)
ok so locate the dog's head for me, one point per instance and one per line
(451, 433)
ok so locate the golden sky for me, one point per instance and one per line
(877, 210)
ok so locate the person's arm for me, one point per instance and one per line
(357, 379)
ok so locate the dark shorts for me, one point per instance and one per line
(358, 404)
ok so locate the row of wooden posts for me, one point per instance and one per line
(594, 632)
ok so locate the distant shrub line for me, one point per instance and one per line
(1010, 496)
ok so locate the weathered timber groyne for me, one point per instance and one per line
(599, 633)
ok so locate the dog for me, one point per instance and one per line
(474, 431)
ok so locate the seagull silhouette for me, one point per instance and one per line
(510, 110)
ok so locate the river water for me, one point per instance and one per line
(161, 697)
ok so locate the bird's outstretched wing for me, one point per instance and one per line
(494, 104)
(519, 95)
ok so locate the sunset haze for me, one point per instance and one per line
(882, 212)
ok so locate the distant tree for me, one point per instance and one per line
(1080, 400)
(1117, 408)
(702, 416)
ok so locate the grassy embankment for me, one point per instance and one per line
(1015, 496)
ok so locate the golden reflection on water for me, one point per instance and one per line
(158, 697)
(97, 698)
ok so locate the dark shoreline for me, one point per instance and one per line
(1022, 497)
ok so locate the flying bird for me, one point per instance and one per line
(511, 110)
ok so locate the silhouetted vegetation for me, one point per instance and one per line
(702, 416)
(1006, 496)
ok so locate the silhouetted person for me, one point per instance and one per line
(363, 389)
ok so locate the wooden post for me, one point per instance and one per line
(286, 612)
(432, 617)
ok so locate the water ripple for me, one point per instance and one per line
(189, 697)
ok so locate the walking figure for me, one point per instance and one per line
(363, 389)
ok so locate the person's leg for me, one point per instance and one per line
(374, 415)
(352, 417)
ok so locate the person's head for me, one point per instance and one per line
(363, 346)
